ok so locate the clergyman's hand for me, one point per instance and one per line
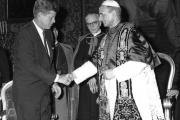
(92, 85)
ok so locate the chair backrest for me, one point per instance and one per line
(7, 102)
(167, 104)
(172, 65)
(9, 112)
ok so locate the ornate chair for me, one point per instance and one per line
(8, 111)
(167, 103)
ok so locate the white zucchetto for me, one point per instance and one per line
(110, 3)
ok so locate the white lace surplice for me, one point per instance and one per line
(144, 89)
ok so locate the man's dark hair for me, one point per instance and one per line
(45, 6)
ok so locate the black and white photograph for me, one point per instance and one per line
(89, 59)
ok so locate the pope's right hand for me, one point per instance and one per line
(92, 85)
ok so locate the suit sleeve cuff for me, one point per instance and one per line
(57, 78)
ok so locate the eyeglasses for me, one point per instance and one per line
(92, 23)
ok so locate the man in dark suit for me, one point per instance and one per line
(34, 73)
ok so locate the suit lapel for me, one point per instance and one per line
(39, 41)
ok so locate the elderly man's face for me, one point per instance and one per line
(93, 23)
(106, 16)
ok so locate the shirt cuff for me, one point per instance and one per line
(57, 78)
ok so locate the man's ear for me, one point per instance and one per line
(42, 14)
(39, 14)
(114, 13)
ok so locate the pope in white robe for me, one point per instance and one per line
(127, 75)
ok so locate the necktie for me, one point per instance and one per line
(45, 42)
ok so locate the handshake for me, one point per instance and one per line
(80, 74)
(85, 71)
(65, 79)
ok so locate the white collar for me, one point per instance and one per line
(40, 31)
(95, 34)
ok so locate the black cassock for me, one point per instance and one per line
(88, 108)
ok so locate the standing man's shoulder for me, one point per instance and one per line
(26, 28)
(128, 25)
(128, 28)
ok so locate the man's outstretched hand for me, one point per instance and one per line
(65, 79)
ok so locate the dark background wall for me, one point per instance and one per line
(157, 19)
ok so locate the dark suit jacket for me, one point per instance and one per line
(4, 66)
(33, 69)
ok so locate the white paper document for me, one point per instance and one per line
(84, 71)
